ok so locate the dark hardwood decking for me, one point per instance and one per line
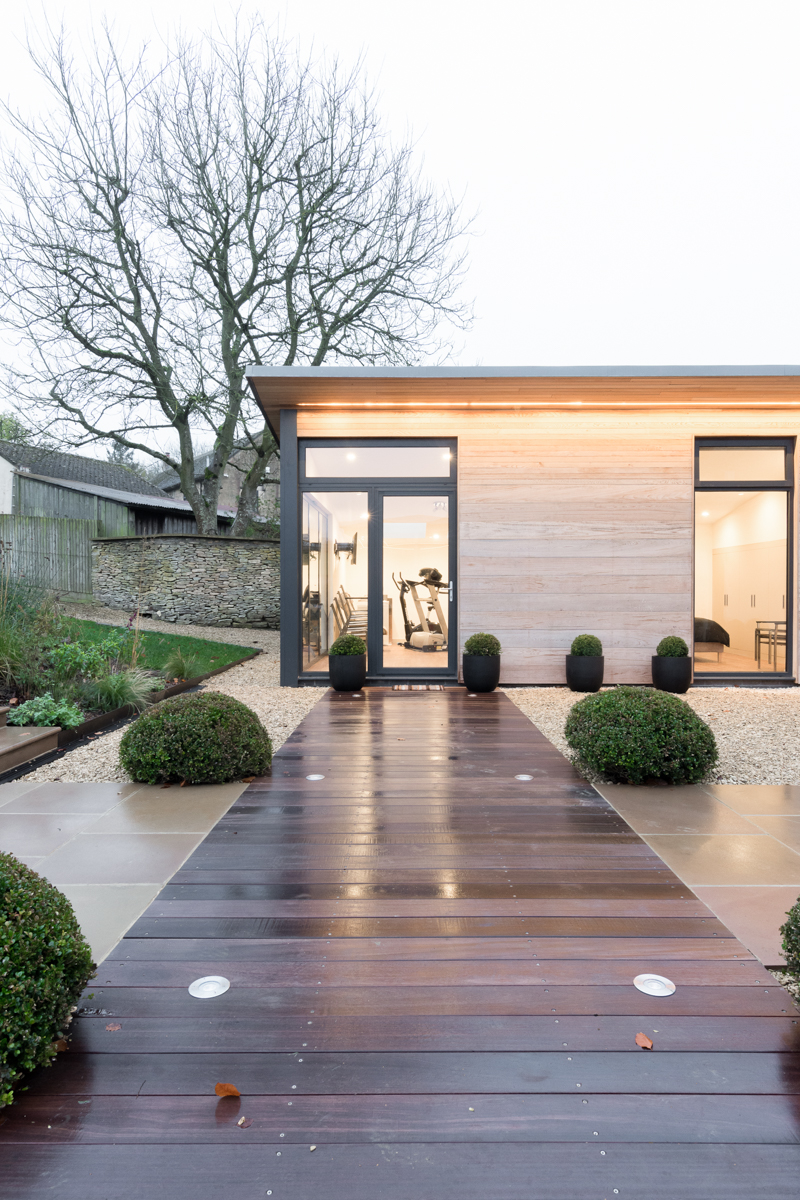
(431, 968)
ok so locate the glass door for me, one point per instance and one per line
(416, 586)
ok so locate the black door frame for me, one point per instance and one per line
(785, 485)
(294, 483)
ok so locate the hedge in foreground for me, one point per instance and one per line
(631, 734)
(791, 940)
(201, 738)
(45, 963)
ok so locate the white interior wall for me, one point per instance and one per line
(704, 571)
(743, 556)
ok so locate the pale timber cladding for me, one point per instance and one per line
(572, 521)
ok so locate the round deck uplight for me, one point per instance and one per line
(209, 986)
(654, 985)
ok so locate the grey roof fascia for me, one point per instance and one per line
(132, 499)
(589, 372)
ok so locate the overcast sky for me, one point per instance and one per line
(633, 163)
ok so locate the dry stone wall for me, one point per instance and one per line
(190, 579)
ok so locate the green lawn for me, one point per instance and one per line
(155, 648)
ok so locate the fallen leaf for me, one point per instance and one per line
(165, 785)
(245, 1122)
(182, 783)
(312, 1147)
(643, 1040)
(112, 1028)
(61, 1044)
(248, 778)
(226, 1089)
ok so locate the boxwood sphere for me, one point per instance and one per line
(631, 734)
(45, 963)
(482, 645)
(347, 644)
(672, 647)
(586, 645)
(791, 940)
(205, 737)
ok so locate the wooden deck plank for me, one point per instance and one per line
(428, 1170)
(431, 969)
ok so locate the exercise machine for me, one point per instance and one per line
(428, 634)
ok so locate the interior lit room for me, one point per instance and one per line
(740, 581)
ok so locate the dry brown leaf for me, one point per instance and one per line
(112, 1028)
(182, 783)
(643, 1040)
(61, 1044)
(248, 778)
(245, 1122)
(165, 785)
(226, 1089)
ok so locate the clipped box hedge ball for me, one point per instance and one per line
(197, 738)
(45, 963)
(633, 734)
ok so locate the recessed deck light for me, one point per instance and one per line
(315, 776)
(209, 986)
(654, 985)
(523, 777)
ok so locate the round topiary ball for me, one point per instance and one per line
(791, 940)
(347, 644)
(631, 734)
(586, 645)
(45, 963)
(198, 738)
(482, 645)
(672, 647)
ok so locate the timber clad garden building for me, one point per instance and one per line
(420, 505)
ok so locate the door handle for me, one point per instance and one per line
(452, 586)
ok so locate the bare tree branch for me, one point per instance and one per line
(171, 224)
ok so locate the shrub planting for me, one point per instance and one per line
(791, 940)
(196, 738)
(44, 710)
(672, 647)
(586, 645)
(45, 963)
(482, 645)
(348, 643)
(632, 734)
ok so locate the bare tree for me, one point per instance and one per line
(170, 224)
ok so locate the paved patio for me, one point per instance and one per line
(109, 847)
(736, 846)
(431, 964)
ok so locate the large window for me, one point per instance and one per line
(378, 552)
(742, 556)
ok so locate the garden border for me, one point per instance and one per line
(96, 724)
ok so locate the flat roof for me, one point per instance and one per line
(510, 387)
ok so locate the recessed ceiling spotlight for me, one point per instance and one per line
(351, 458)
(705, 514)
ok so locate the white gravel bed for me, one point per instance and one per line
(757, 729)
(255, 683)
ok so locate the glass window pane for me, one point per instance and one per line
(740, 581)
(415, 582)
(377, 462)
(334, 558)
(742, 463)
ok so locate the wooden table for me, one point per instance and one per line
(431, 968)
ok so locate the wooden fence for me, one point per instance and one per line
(49, 552)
